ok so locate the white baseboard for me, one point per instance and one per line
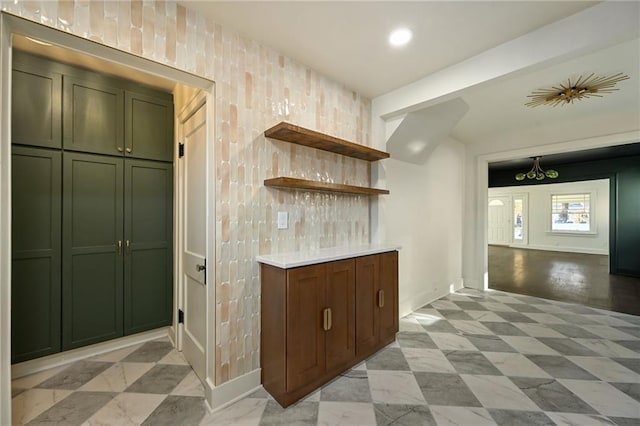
(581, 250)
(409, 305)
(66, 357)
(475, 284)
(221, 396)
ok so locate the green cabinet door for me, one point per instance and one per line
(35, 104)
(148, 282)
(93, 117)
(92, 249)
(35, 256)
(149, 126)
(627, 222)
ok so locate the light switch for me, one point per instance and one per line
(283, 220)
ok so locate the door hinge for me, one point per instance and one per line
(180, 150)
(180, 316)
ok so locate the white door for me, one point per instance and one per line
(499, 220)
(193, 247)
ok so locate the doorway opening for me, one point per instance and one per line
(552, 241)
(186, 88)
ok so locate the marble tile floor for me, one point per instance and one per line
(470, 358)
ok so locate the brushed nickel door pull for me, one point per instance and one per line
(330, 321)
(119, 248)
(119, 149)
(381, 299)
(129, 150)
(128, 244)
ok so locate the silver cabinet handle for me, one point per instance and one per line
(129, 150)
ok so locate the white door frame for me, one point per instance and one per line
(10, 24)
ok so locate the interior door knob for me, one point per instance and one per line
(200, 268)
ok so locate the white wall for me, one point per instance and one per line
(538, 224)
(570, 37)
(423, 213)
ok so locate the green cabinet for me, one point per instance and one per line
(35, 105)
(148, 235)
(628, 227)
(117, 253)
(149, 126)
(92, 249)
(36, 253)
(92, 207)
(93, 116)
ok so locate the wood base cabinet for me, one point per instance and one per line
(311, 320)
(376, 301)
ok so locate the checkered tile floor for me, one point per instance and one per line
(470, 358)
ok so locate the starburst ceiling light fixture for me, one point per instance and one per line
(536, 172)
(592, 86)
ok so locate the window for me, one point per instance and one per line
(571, 213)
(518, 211)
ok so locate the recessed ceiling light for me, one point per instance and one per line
(400, 37)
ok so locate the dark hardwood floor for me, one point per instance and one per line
(569, 277)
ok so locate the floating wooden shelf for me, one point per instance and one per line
(312, 185)
(289, 133)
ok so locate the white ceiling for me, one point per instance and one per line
(347, 41)
(497, 110)
(496, 114)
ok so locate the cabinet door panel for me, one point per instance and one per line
(389, 284)
(305, 337)
(148, 283)
(340, 341)
(367, 279)
(35, 106)
(93, 117)
(36, 253)
(149, 127)
(93, 299)
(92, 265)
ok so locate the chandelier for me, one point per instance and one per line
(536, 172)
(563, 94)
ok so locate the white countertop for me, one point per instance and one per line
(293, 260)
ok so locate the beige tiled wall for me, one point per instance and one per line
(255, 89)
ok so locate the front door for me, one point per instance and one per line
(499, 220)
(193, 272)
